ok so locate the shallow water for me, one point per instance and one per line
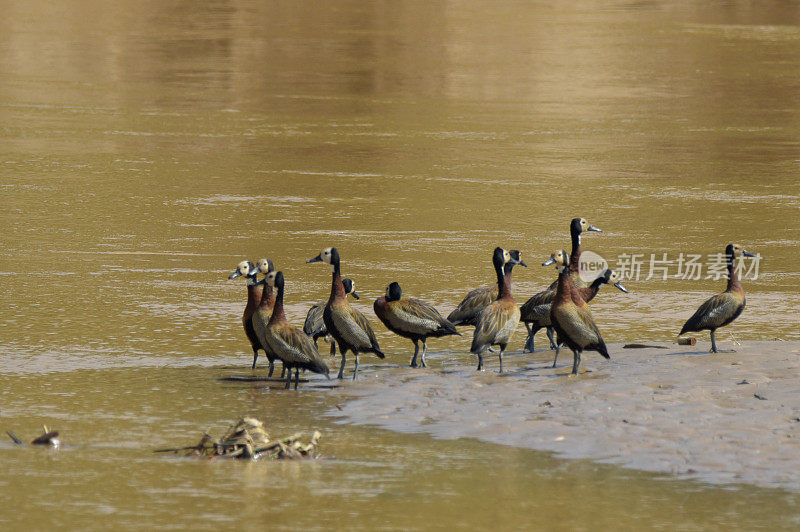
(147, 149)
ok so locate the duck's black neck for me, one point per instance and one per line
(277, 311)
(575, 256)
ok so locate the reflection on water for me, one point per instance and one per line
(146, 149)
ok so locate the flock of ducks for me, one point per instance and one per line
(561, 310)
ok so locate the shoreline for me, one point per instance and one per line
(721, 418)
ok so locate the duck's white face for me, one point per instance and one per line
(737, 250)
(263, 266)
(270, 278)
(325, 254)
(559, 258)
(506, 256)
(352, 287)
(613, 278)
(243, 268)
(584, 224)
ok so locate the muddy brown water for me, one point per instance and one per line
(146, 149)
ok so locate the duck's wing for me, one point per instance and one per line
(715, 312)
(475, 301)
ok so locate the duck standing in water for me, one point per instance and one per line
(314, 325)
(263, 313)
(496, 323)
(250, 272)
(289, 343)
(466, 313)
(721, 309)
(411, 318)
(348, 326)
(572, 320)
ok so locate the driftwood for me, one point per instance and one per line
(247, 439)
(643, 346)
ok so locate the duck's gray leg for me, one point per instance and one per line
(355, 369)
(414, 358)
(529, 341)
(341, 366)
(550, 333)
(500, 356)
(576, 362)
(424, 350)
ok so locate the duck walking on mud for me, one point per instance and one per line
(467, 311)
(572, 320)
(314, 325)
(250, 272)
(411, 318)
(721, 309)
(497, 322)
(348, 326)
(289, 343)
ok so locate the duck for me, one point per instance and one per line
(411, 318)
(314, 325)
(250, 272)
(536, 311)
(466, 313)
(496, 322)
(263, 313)
(721, 309)
(290, 343)
(572, 321)
(349, 327)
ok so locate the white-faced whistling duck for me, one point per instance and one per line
(572, 320)
(576, 227)
(466, 313)
(289, 343)
(497, 322)
(348, 326)
(721, 309)
(314, 325)
(263, 313)
(411, 318)
(250, 272)
(587, 293)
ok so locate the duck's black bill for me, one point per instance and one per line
(593, 228)
(549, 261)
(354, 294)
(318, 258)
(235, 274)
(748, 254)
(619, 285)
